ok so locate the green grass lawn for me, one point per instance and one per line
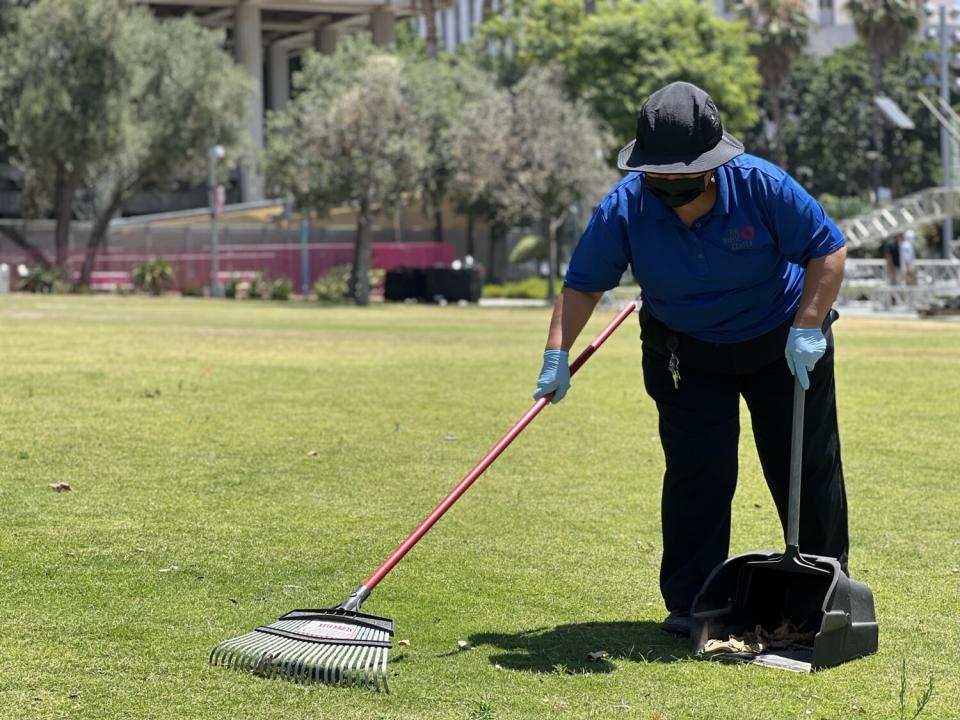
(231, 461)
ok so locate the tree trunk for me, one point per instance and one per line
(65, 192)
(876, 126)
(359, 286)
(35, 253)
(776, 110)
(438, 226)
(550, 228)
(98, 236)
(471, 249)
(430, 18)
(498, 239)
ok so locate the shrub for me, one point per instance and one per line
(259, 288)
(332, 286)
(193, 291)
(534, 288)
(153, 276)
(231, 287)
(281, 289)
(42, 280)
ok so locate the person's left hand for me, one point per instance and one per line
(804, 347)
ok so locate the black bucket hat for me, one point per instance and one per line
(679, 131)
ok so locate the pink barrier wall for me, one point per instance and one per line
(192, 269)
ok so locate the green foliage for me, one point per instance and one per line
(281, 289)
(615, 58)
(331, 287)
(193, 291)
(841, 208)
(534, 288)
(783, 28)
(154, 276)
(885, 26)
(830, 109)
(42, 280)
(922, 701)
(529, 247)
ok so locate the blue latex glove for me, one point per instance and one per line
(555, 375)
(804, 347)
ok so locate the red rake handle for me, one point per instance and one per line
(439, 510)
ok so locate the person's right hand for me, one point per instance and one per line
(554, 375)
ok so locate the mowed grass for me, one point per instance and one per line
(232, 461)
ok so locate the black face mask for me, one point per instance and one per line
(675, 192)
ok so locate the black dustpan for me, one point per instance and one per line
(767, 588)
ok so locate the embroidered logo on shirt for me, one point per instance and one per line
(738, 238)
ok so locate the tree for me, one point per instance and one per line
(185, 95)
(783, 27)
(482, 148)
(350, 136)
(439, 87)
(65, 73)
(830, 111)
(615, 58)
(558, 153)
(885, 27)
(526, 155)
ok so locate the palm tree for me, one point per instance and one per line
(885, 27)
(784, 28)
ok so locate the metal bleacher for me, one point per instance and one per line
(867, 280)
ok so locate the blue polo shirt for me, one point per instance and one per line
(736, 274)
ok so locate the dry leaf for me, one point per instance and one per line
(61, 487)
(497, 666)
(598, 656)
(169, 569)
(449, 437)
(464, 645)
(405, 643)
(312, 453)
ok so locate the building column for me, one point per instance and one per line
(325, 40)
(382, 22)
(249, 55)
(279, 78)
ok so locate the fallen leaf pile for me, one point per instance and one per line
(61, 487)
(759, 641)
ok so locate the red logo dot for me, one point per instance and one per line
(746, 232)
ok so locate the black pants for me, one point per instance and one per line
(699, 432)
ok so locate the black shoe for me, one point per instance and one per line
(677, 623)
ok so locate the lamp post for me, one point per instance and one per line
(942, 34)
(214, 153)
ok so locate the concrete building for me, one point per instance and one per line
(265, 35)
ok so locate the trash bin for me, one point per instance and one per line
(454, 285)
(404, 284)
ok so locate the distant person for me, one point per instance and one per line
(891, 253)
(739, 267)
(908, 258)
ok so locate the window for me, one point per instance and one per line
(827, 16)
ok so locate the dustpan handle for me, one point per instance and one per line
(796, 463)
